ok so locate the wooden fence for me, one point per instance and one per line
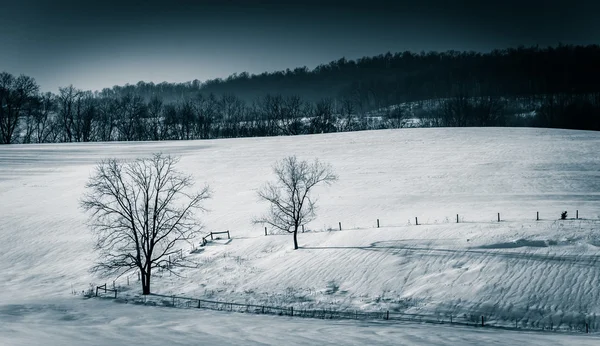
(106, 290)
(212, 234)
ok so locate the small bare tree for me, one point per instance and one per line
(289, 195)
(140, 212)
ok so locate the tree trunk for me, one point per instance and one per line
(146, 282)
(296, 238)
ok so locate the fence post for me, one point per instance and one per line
(498, 217)
(211, 236)
(138, 276)
(587, 328)
(127, 280)
(482, 323)
(292, 310)
(302, 228)
(199, 303)
(577, 214)
(96, 291)
(340, 226)
(228, 237)
(377, 223)
(416, 221)
(456, 218)
(115, 293)
(105, 287)
(538, 216)
(387, 315)
(263, 309)
(265, 230)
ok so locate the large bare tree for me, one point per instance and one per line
(290, 202)
(140, 212)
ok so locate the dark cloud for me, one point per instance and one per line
(98, 44)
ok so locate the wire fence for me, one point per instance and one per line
(474, 320)
(584, 324)
(460, 219)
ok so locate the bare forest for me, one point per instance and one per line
(555, 87)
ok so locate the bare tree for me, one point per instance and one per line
(140, 212)
(347, 115)
(45, 124)
(289, 195)
(131, 112)
(208, 108)
(84, 116)
(155, 113)
(67, 100)
(231, 111)
(394, 116)
(107, 108)
(285, 112)
(15, 95)
(323, 117)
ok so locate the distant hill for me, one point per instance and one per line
(393, 78)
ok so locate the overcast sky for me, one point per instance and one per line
(97, 44)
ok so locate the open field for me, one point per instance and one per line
(536, 272)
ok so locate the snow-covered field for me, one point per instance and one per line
(534, 272)
(103, 323)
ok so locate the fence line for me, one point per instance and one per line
(328, 313)
(459, 219)
(474, 320)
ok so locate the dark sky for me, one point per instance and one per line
(97, 44)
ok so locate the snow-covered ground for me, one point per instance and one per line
(95, 322)
(104, 323)
(535, 272)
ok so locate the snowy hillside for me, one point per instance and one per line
(520, 269)
(538, 273)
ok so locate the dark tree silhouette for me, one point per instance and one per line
(140, 212)
(289, 196)
(15, 95)
(543, 87)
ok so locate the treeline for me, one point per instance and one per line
(554, 110)
(74, 115)
(551, 87)
(386, 79)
